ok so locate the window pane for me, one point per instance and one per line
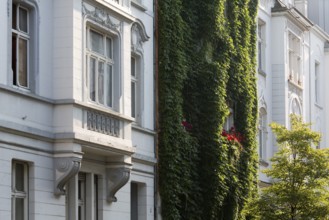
(92, 79)
(97, 43)
(109, 47)
(109, 85)
(133, 99)
(23, 20)
(19, 208)
(134, 201)
(101, 82)
(133, 67)
(22, 74)
(19, 177)
(95, 197)
(14, 17)
(14, 58)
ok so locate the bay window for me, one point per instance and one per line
(100, 67)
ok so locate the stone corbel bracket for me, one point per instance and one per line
(116, 178)
(65, 168)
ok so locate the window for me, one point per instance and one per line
(262, 133)
(20, 45)
(87, 196)
(229, 123)
(295, 107)
(317, 83)
(137, 201)
(294, 52)
(82, 196)
(135, 89)
(19, 193)
(134, 201)
(261, 46)
(100, 67)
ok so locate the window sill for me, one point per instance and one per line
(295, 84)
(263, 163)
(262, 72)
(144, 130)
(25, 92)
(318, 106)
(138, 5)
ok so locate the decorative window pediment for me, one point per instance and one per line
(138, 36)
(100, 16)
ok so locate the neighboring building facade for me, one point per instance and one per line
(77, 135)
(292, 63)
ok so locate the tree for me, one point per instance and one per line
(300, 176)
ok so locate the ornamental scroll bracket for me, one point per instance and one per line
(65, 168)
(138, 36)
(116, 177)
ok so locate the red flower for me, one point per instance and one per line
(186, 125)
(233, 136)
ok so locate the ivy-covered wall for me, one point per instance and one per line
(206, 65)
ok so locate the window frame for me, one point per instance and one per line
(262, 134)
(138, 202)
(137, 80)
(294, 58)
(110, 64)
(87, 196)
(261, 44)
(20, 194)
(317, 78)
(20, 35)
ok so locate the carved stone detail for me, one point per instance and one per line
(100, 16)
(116, 178)
(103, 123)
(138, 36)
(65, 168)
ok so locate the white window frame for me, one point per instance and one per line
(262, 134)
(16, 193)
(88, 190)
(138, 202)
(21, 35)
(109, 65)
(317, 79)
(294, 59)
(295, 106)
(261, 39)
(137, 80)
(229, 122)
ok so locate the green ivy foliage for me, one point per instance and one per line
(206, 61)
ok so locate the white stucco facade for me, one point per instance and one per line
(294, 73)
(77, 135)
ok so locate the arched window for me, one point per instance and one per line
(138, 37)
(295, 107)
(262, 133)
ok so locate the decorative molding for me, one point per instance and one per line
(294, 29)
(138, 36)
(100, 16)
(65, 168)
(266, 5)
(262, 102)
(102, 123)
(116, 178)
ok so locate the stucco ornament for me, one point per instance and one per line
(65, 169)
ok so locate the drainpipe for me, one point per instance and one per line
(156, 106)
(309, 80)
